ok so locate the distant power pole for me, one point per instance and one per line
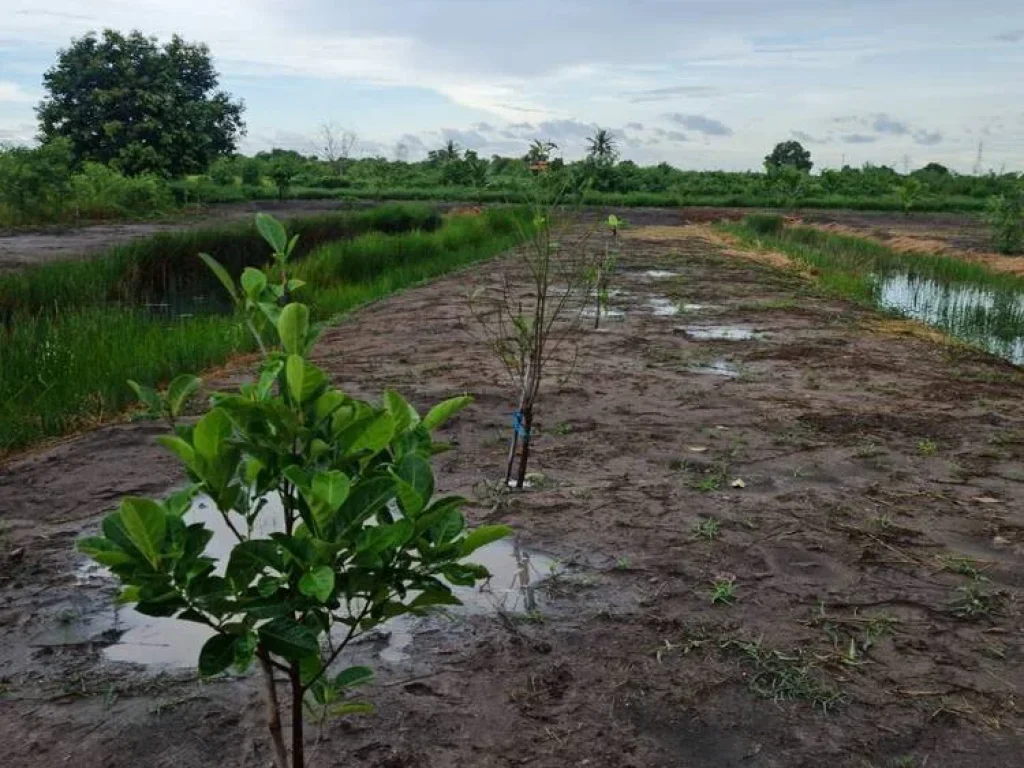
(977, 162)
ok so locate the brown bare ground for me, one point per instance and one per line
(878, 470)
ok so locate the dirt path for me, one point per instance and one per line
(876, 546)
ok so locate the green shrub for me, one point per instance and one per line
(34, 183)
(100, 192)
(1005, 215)
(251, 173)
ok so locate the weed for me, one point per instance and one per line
(783, 676)
(903, 761)
(707, 528)
(623, 563)
(723, 590)
(562, 428)
(965, 565)
(927, 447)
(883, 523)
(973, 601)
(712, 480)
(868, 451)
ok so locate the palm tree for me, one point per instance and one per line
(601, 146)
(540, 151)
(449, 152)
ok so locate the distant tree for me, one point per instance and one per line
(789, 153)
(448, 153)
(540, 151)
(602, 147)
(126, 101)
(335, 145)
(935, 169)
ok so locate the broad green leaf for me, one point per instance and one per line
(147, 396)
(211, 434)
(129, 595)
(293, 327)
(179, 448)
(365, 499)
(294, 285)
(222, 275)
(146, 524)
(417, 483)
(272, 231)
(253, 282)
(245, 649)
(382, 538)
(482, 536)
(352, 708)
(288, 639)
(268, 376)
(304, 378)
(352, 678)
(309, 667)
(179, 502)
(180, 390)
(104, 551)
(218, 654)
(253, 558)
(331, 488)
(291, 245)
(317, 583)
(401, 411)
(441, 412)
(372, 434)
(433, 597)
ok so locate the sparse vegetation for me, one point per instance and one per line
(723, 590)
(707, 528)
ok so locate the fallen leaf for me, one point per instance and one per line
(987, 500)
(697, 448)
(738, 483)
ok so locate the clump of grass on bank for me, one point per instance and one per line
(164, 268)
(69, 367)
(962, 298)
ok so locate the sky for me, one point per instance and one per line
(701, 84)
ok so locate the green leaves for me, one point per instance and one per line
(293, 328)
(415, 483)
(318, 583)
(252, 558)
(221, 274)
(217, 654)
(146, 525)
(304, 379)
(253, 282)
(272, 231)
(288, 639)
(211, 434)
(482, 536)
(440, 413)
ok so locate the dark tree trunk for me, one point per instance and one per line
(524, 455)
(298, 744)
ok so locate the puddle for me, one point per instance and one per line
(607, 313)
(719, 333)
(716, 368)
(692, 307)
(663, 307)
(659, 274)
(989, 318)
(168, 642)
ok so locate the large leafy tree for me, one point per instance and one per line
(789, 154)
(128, 101)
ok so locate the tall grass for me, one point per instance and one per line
(164, 268)
(67, 367)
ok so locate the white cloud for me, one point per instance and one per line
(12, 93)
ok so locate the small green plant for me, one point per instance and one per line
(973, 600)
(903, 761)
(562, 428)
(707, 528)
(623, 563)
(783, 676)
(909, 192)
(712, 479)
(169, 404)
(927, 447)
(1005, 215)
(723, 590)
(600, 273)
(346, 486)
(965, 565)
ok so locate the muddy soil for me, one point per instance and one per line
(861, 490)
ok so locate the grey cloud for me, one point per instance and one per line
(635, 126)
(700, 123)
(677, 136)
(885, 124)
(1012, 36)
(484, 127)
(565, 129)
(412, 141)
(859, 138)
(521, 126)
(927, 139)
(465, 139)
(663, 94)
(807, 138)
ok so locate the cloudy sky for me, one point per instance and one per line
(697, 83)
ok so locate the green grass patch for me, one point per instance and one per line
(68, 367)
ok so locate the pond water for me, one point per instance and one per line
(716, 368)
(719, 332)
(168, 642)
(990, 318)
